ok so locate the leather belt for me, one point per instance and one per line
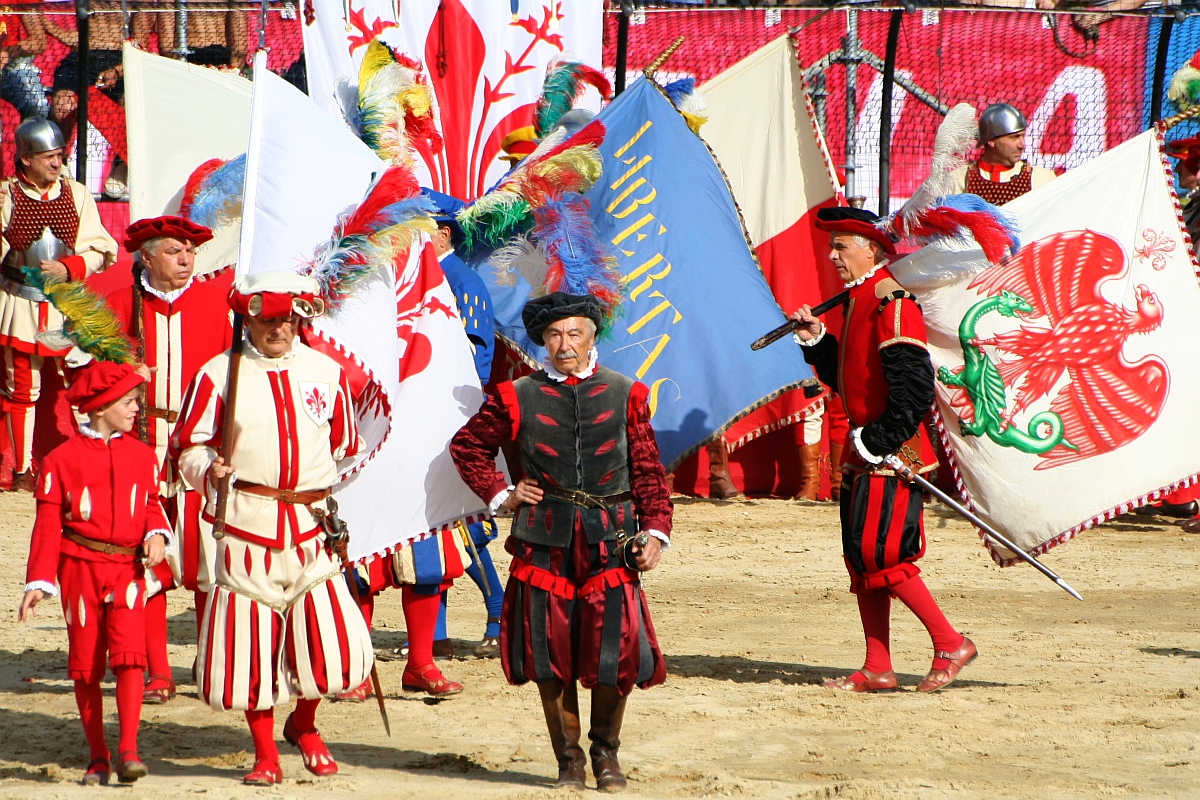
(162, 413)
(100, 547)
(21, 290)
(587, 500)
(285, 495)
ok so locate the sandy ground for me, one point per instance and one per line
(1067, 699)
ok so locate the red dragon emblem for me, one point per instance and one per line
(1108, 401)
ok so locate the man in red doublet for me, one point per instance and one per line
(882, 370)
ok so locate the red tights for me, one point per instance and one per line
(420, 618)
(875, 609)
(129, 712)
(158, 666)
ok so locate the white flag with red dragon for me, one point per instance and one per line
(1065, 374)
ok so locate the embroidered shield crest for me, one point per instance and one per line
(317, 402)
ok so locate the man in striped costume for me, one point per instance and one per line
(39, 205)
(179, 321)
(280, 619)
(574, 609)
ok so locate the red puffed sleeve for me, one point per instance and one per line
(476, 444)
(46, 542)
(647, 478)
(901, 322)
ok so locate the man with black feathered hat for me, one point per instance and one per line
(881, 367)
(591, 512)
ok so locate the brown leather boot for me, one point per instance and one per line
(810, 472)
(835, 472)
(561, 706)
(720, 484)
(608, 711)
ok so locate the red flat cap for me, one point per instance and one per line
(101, 383)
(175, 227)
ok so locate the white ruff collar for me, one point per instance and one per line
(859, 281)
(167, 297)
(555, 375)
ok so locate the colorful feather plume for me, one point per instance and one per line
(557, 167)
(368, 238)
(1184, 90)
(578, 262)
(565, 83)
(521, 258)
(213, 194)
(88, 322)
(958, 215)
(689, 102)
(394, 108)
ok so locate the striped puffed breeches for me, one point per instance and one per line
(279, 623)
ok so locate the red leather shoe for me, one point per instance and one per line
(97, 773)
(865, 681)
(317, 758)
(937, 678)
(265, 773)
(356, 695)
(429, 679)
(130, 768)
(158, 690)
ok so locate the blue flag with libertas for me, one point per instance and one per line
(695, 298)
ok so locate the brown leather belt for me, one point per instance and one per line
(581, 498)
(286, 495)
(100, 547)
(162, 413)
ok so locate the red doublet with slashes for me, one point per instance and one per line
(30, 217)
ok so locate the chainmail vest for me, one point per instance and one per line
(574, 437)
(999, 193)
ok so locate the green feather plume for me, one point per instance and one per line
(88, 322)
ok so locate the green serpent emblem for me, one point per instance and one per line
(982, 382)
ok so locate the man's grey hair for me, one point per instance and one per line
(863, 241)
(591, 325)
(150, 247)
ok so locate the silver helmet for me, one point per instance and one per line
(37, 135)
(1000, 119)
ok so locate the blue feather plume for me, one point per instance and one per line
(680, 90)
(579, 263)
(975, 204)
(220, 196)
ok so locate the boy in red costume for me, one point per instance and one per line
(97, 513)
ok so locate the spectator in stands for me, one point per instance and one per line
(106, 34)
(22, 37)
(1001, 174)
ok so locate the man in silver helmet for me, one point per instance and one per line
(1001, 174)
(49, 223)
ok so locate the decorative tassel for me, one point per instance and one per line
(692, 104)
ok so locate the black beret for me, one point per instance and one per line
(858, 221)
(541, 312)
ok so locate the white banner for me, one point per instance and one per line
(484, 62)
(166, 146)
(1077, 393)
(419, 387)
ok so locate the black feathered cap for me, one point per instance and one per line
(857, 221)
(541, 312)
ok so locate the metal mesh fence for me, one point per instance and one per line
(1084, 81)
(40, 60)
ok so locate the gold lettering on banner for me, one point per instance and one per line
(629, 173)
(645, 127)
(636, 228)
(652, 352)
(636, 291)
(654, 312)
(635, 204)
(652, 400)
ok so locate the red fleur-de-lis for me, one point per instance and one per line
(358, 21)
(1156, 248)
(316, 402)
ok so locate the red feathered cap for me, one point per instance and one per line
(101, 383)
(276, 294)
(855, 221)
(144, 230)
(1187, 151)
